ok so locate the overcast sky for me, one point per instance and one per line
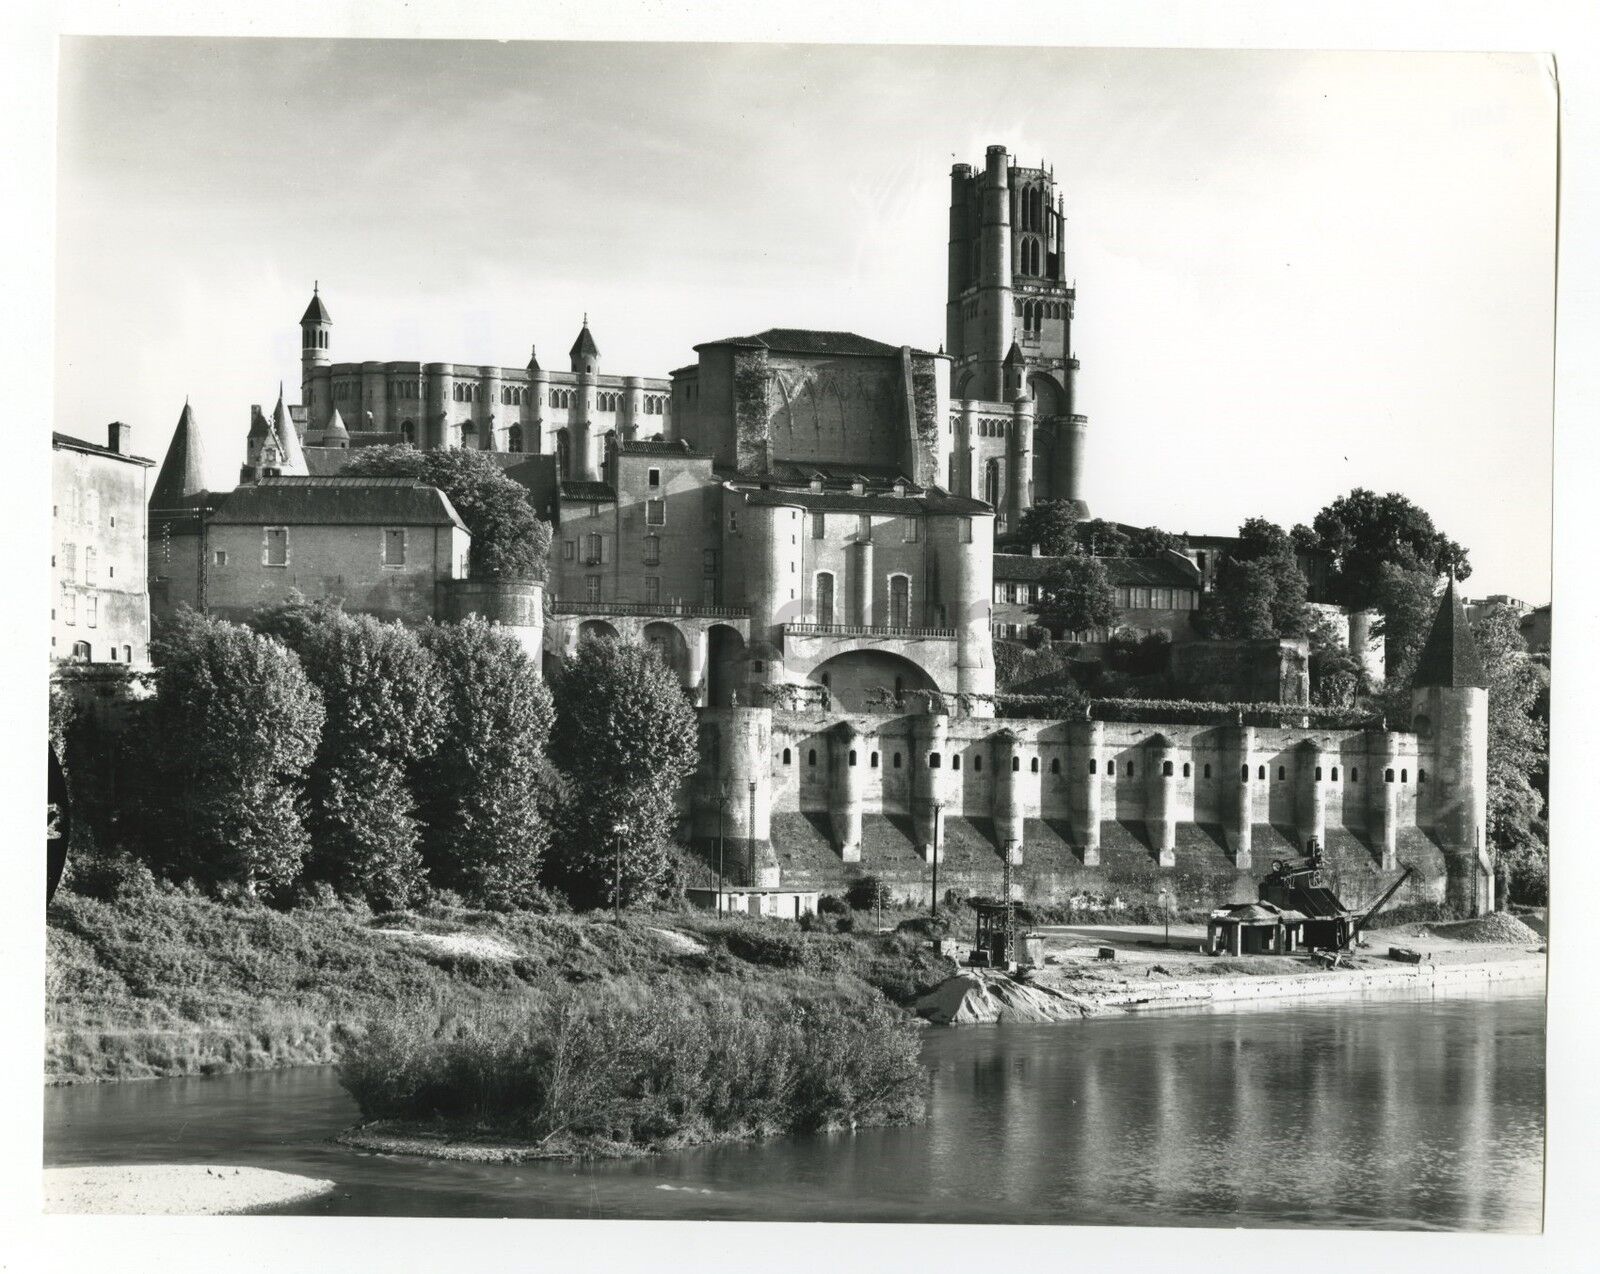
(1297, 273)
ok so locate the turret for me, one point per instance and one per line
(1088, 744)
(332, 434)
(535, 402)
(847, 760)
(1019, 451)
(294, 459)
(182, 474)
(966, 555)
(585, 356)
(994, 273)
(1450, 714)
(316, 334)
(1162, 786)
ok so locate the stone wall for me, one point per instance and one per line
(1243, 671)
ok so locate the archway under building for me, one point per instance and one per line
(724, 648)
(598, 629)
(668, 642)
(870, 680)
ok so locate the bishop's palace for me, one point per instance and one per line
(804, 524)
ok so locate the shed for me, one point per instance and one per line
(1254, 928)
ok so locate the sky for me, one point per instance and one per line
(1297, 273)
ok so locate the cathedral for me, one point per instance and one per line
(803, 524)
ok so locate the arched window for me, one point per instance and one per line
(955, 761)
(1132, 773)
(1319, 774)
(1244, 774)
(873, 762)
(1111, 769)
(824, 597)
(811, 756)
(991, 483)
(1388, 776)
(933, 760)
(514, 438)
(788, 757)
(1016, 764)
(1261, 771)
(899, 601)
(897, 760)
(1093, 765)
(1355, 775)
(1402, 776)
(408, 431)
(1281, 774)
(1333, 774)
(1185, 769)
(80, 650)
(852, 756)
(1206, 772)
(977, 764)
(1166, 769)
(563, 454)
(1055, 765)
(1033, 766)
(127, 658)
(1422, 775)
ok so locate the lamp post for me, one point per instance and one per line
(722, 812)
(618, 829)
(750, 839)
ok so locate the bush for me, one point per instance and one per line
(832, 905)
(865, 892)
(614, 1067)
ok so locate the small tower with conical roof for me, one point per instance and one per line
(1450, 714)
(316, 334)
(182, 475)
(586, 367)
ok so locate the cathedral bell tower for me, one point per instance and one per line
(316, 335)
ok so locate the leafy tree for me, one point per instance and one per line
(1337, 676)
(1363, 532)
(1053, 526)
(479, 793)
(508, 539)
(1259, 591)
(1152, 541)
(1406, 605)
(1076, 595)
(625, 738)
(227, 741)
(1100, 538)
(384, 713)
(1519, 690)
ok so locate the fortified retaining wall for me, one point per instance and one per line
(1190, 813)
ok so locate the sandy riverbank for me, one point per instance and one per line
(1146, 974)
(170, 1189)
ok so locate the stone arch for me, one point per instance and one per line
(724, 651)
(855, 675)
(599, 629)
(1047, 396)
(668, 641)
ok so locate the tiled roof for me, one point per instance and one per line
(94, 448)
(316, 312)
(846, 471)
(584, 346)
(655, 447)
(799, 340)
(576, 489)
(1123, 571)
(320, 501)
(886, 503)
(183, 468)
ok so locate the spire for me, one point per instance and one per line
(183, 470)
(1013, 355)
(316, 312)
(584, 346)
(1450, 656)
(335, 426)
(294, 459)
(533, 358)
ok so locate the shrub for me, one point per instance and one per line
(865, 892)
(832, 905)
(584, 1071)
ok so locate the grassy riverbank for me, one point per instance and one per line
(157, 981)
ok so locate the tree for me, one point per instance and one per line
(1519, 690)
(384, 713)
(1406, 603)
(484, 834)
(227, 741)
(1076, 595)
(1363, 532)
(1337, 676)
(1100, 538)
(625, 738)
(1053, 526)
(509, 541)
(1259, 591)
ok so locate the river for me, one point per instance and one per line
(1407, 1111)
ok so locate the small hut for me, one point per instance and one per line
(1254, 928)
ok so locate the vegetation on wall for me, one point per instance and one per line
(509, 540)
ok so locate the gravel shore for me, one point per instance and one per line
(173, 1189)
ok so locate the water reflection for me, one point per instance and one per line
(1391, 1112)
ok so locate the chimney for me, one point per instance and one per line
(118, 437)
